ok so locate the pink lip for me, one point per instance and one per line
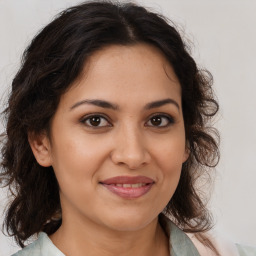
(127, 180)
(128, 192)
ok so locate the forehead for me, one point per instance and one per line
(139, 71)
(131, 59)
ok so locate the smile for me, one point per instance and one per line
(128, 187)
(137, 185)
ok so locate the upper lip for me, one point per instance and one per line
(127, 180)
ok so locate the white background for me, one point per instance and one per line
(224, 36)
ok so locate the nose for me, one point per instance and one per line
(130, 149)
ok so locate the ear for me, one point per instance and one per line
(186, 153)
(41, 147)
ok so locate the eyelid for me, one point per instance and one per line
(101, 115)
(170, 118)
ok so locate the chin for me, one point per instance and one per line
(129, 222)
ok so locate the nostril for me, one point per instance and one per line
(130, 150)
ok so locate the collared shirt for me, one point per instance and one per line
(180, 245)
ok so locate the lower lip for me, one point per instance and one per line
(129, 193)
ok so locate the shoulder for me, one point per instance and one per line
(223, 246)
(246, 250)
(31, 249)
(43, 246)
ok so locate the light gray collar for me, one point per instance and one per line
(180, 243)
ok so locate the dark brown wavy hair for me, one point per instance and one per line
(51, 63)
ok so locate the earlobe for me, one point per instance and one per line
(41, 149)
(186, 154)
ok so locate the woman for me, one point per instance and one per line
(107, 134)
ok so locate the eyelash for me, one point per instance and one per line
(90, 117)
(170, 120)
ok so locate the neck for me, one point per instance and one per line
(76, 238)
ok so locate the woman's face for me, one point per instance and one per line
(117, 139)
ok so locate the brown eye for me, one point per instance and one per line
(156, 121)
(160, 121)
(96, 121)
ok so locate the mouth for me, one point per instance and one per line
(128, 187)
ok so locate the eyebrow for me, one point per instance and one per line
(160, 103)
(98, 103)
(106, 104)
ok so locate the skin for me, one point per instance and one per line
(125, 141)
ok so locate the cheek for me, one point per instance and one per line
(77, 158)
(171, 172)
(171, 167)
(170, 159)
(171, 153)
